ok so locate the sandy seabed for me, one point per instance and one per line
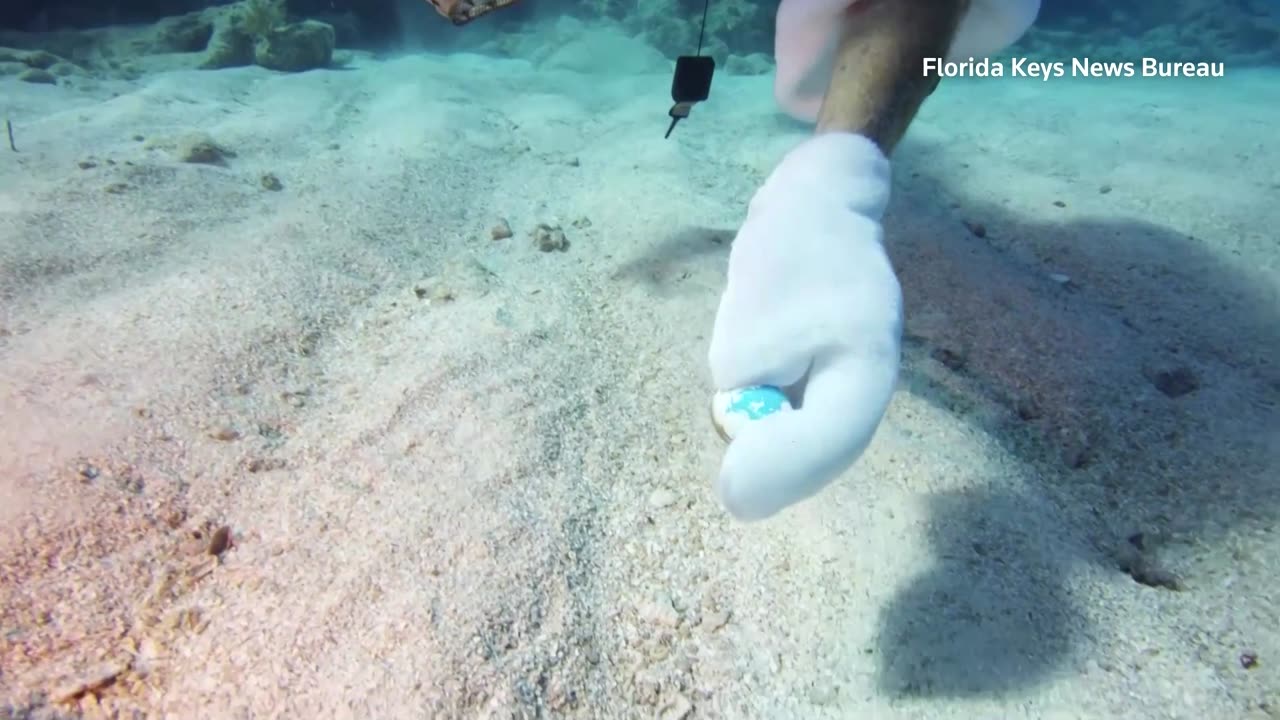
(461, 477)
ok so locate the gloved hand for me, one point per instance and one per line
(811, 305)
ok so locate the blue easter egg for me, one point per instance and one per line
(734, 409)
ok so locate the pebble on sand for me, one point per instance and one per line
(548, 238)
(661, 498)
(195, 147)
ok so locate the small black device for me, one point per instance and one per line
(691, 84)
(692, 80)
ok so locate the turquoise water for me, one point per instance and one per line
(377, 385)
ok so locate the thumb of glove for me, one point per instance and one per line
(783, 459)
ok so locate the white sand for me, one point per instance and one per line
(500, 505)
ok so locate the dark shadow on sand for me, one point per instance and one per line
(1074, 379)
(990, 615)
(1120, 386)
(664, 269)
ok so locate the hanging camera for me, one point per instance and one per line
(691, 84)
(692, 80)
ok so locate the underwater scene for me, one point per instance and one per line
(675, 359)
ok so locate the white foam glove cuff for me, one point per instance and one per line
(810, 295)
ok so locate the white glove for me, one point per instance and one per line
(811, 305)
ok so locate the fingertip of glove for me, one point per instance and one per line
(735, 497)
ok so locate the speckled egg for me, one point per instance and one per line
(733, 410)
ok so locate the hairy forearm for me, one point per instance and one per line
(878, 82)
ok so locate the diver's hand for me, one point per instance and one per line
(812, 305)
